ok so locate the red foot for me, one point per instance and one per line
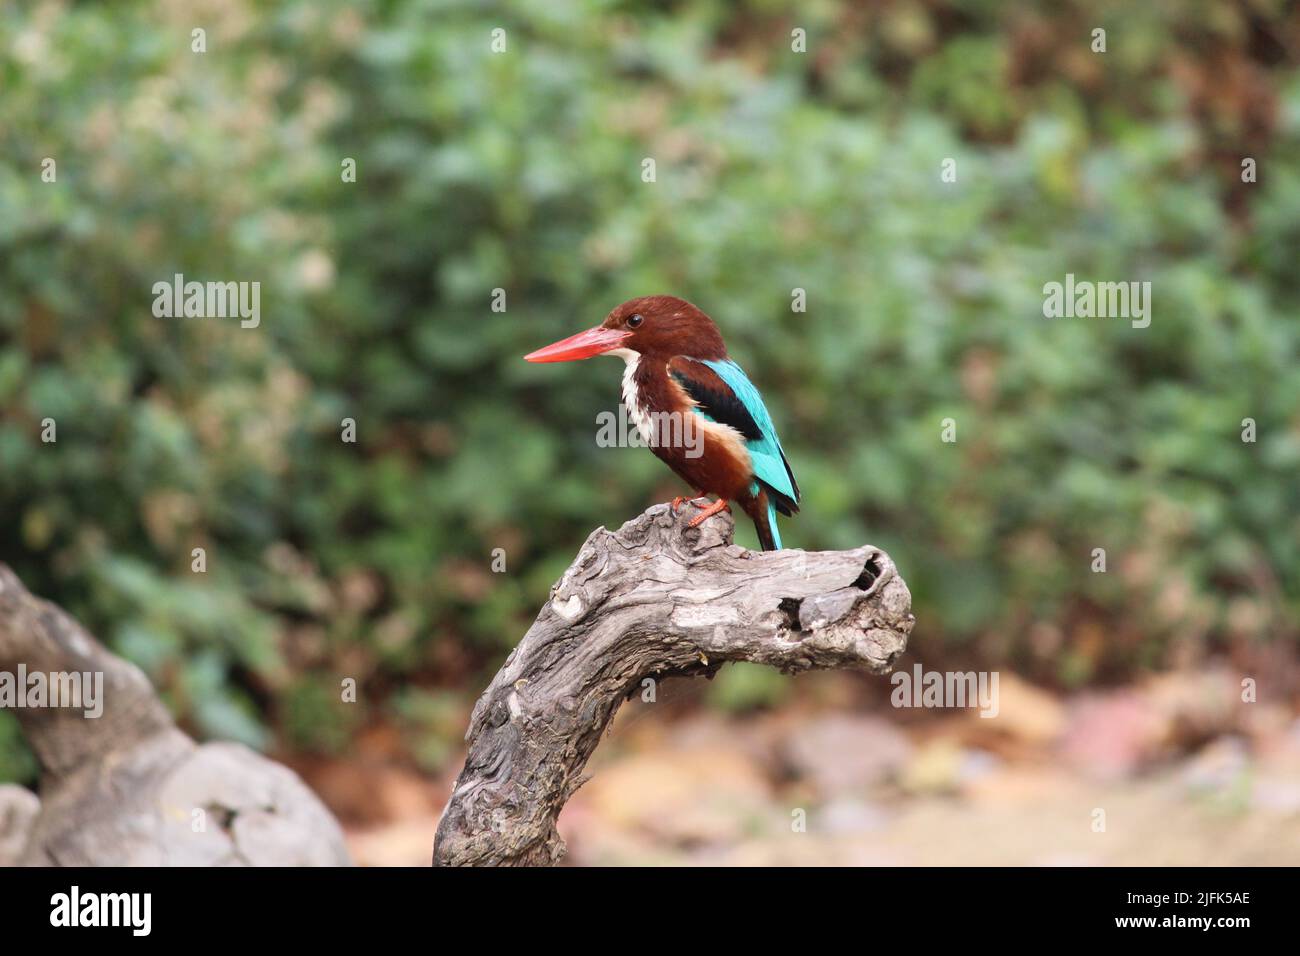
(677, 502)
(709, 512)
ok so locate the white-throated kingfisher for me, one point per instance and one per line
(677, 368)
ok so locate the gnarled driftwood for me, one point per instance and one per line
(123, 788)
(653, 599)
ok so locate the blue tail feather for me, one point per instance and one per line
(771, 523)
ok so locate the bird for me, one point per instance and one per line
(694, 407)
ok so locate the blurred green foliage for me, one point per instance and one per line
(775, 170)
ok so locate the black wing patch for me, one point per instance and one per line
(714, 396)
(790, 471)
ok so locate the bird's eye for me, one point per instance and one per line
(634, 321)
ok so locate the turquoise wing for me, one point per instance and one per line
(765, 452)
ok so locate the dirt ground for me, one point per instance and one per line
(1177, 770)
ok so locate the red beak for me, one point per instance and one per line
(580, 346)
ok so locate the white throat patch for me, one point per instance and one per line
(640, 416)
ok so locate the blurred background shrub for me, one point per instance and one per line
(775, 170)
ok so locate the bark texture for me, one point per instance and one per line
(122, 789)
(654, 599)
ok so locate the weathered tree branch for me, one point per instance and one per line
(122, 788)
(654, 599)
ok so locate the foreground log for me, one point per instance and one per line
(127, 787)
(655, 599)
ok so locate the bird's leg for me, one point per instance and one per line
(677, 502)
(709, 512)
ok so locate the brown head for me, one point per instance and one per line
(651, 325)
